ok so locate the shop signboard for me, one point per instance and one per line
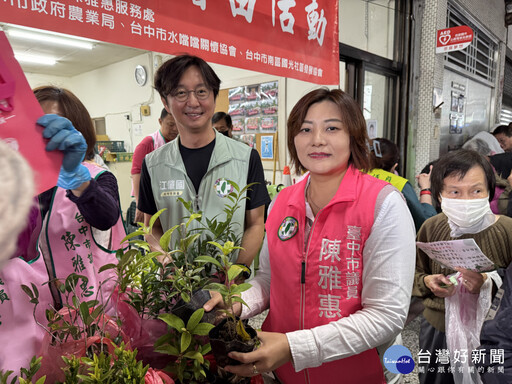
(453, 39)
(289, 38)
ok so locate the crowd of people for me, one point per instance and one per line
(338, 262)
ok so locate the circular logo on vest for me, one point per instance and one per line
(223, 187)
(398, 359)
(288, 228)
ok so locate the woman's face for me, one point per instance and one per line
(472, 186)
(323, 142)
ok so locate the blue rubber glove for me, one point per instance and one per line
(63, 136)
(73, 179)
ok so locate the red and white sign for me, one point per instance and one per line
(453, 39)
(289, 38)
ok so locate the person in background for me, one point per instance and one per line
(502, 200)
(462, 183)
(339, 246)
(167, 132)
(503, 134)
(222, 123)
(384, 158)
(79, 219)
(199, 166)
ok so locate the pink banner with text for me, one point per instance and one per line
(289, 38)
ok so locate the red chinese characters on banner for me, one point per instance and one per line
(453, 39)
(289, 38)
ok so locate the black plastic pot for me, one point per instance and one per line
(184, 310)
(221, 347)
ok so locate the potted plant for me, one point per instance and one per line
(231, 334)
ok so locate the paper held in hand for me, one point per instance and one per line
(464, 253)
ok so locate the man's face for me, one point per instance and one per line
(222, 127)
(168, 127)
(505, 142)
(192, 115)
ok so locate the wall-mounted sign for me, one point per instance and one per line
(297, 39)
(453, 39)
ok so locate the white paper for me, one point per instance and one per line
(464, 253)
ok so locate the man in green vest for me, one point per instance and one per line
(199, 165)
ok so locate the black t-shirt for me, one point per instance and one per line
(257, 195)
(196, 162)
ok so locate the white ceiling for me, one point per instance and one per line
(70, 61)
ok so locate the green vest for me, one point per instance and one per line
(169, 181)
(397, 181)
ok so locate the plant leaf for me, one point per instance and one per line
(172, 320)
(241, 288)
(240, 329)
(208, 259)
(234, 271)
(168, 350)
(186, 339)
(107, 266)
(166, 238)
(195, 356)
(195, 319)
(202, 329)
(154, 217)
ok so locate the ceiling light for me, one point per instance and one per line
(50, 39)
(35, 59)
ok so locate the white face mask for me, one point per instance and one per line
(465, 213)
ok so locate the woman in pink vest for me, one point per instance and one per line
(76, 229)
(340, 249)
(81, 223)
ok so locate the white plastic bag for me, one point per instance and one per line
(465, 314)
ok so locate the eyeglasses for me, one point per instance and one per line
(201, 93)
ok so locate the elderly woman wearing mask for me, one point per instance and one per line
(463, 184)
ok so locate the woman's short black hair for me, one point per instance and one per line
(458, 163)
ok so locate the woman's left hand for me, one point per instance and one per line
(473, 281)
(273, 352)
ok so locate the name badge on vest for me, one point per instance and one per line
(223, 188)
(288, 228)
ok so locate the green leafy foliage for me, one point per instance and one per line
(25, 376)
(78, 319)
(230, 290)
(185, 343)
(120, 367)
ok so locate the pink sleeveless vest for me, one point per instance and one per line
(73, 246)
(322, 284)
(20, 336)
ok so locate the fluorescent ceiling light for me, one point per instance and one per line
(35, 59)
(52, 39)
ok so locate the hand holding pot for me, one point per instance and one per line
(273, 352)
